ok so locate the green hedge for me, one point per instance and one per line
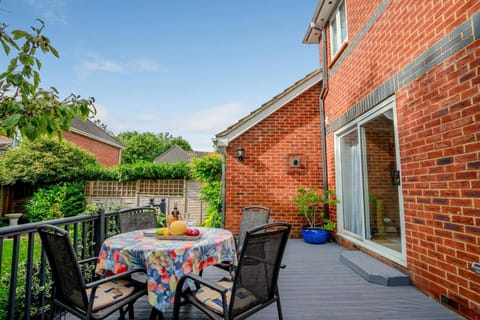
(56, 201)
(138, 171)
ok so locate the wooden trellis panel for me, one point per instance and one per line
(167, 187)
(111, 189)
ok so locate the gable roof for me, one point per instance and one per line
(176, 154)
(91, 130)
(223, 138)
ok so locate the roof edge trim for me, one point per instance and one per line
(94, 137)
(320, 18)
(224, 138)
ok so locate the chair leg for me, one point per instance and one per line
(156, 314)
(131, 314)
(279, 306)
(176, 308)
(122, 314)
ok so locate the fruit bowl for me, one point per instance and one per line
(164, 234)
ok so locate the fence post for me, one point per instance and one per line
(99, 228)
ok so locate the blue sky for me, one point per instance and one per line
(191, 68)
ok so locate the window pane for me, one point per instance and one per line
(351, 183)
(343, 23)
(333, 30)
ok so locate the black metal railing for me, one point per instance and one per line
(25, 280)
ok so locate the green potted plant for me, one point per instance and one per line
(310, 205)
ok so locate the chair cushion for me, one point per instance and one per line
(111, 292)
(213, 299)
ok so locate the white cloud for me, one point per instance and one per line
(198, 128)
(95, 63)
(103, 65)
(143, 64)
(50, 10)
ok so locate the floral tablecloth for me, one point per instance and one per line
(166, 261)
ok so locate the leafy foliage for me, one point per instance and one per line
(24, 105)
(36, 309)
(138, 171)
(45, 161)
(54, 202)
(147, 146)
(49, 161)
(310, 205)
(208, 170)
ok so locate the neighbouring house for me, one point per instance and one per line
(392, 124)
(84, 134)
(88, 136)
(176, 154)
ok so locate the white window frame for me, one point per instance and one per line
(337, 21)
(398, 257)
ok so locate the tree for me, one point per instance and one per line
(24, 105)
(45, 161)
(147, 146)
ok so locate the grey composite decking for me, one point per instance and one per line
(316, 285)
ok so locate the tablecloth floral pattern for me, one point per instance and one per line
(165, 261)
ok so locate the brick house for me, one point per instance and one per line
(90, 137)
(400, 97)
(281, 131)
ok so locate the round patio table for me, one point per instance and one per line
(165, 261)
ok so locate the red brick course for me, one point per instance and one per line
(106, 155)
(264, 176)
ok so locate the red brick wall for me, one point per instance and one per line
(106, 154)
(440, 155)
(438, 118)
(264, 177)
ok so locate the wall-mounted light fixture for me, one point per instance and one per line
(240, 153)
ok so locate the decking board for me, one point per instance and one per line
(316, 285)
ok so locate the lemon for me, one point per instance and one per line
(178, 228)
(160, 232)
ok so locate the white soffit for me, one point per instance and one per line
(320, 18)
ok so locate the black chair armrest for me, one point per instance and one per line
(88, 260)
(208, 283)
(113, 277)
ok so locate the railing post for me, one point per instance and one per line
(99, 228)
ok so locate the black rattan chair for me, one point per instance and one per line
(252, 216)
(131, 219)
(254, 285)
(94, 300)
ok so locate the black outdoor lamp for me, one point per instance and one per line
(240, 153)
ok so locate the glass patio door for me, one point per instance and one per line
(351, 183)
(368, 183)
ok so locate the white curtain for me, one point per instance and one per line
(351, 183)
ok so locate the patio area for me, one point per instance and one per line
(317, 285)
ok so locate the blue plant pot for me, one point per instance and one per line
(314, 236)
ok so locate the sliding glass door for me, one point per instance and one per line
(368, 183)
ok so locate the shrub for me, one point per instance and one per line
(208, 170)
(38, 290)
(57, 201)
(44, 161)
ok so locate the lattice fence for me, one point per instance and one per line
(126, 194)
